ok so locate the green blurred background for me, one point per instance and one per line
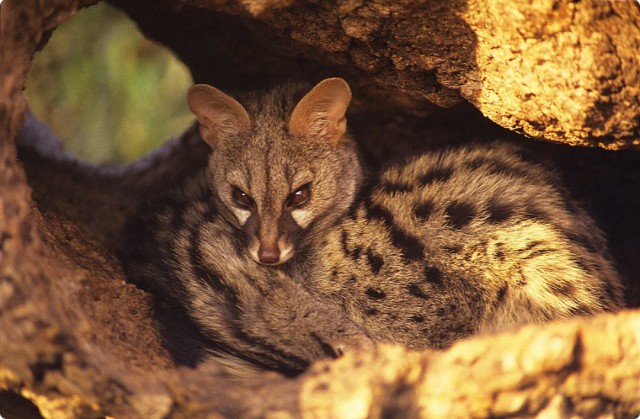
(108, 93)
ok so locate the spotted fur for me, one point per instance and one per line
(462, 241)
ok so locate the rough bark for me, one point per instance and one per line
(568, 71)
(555, 70)
(76, 340)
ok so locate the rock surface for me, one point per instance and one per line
(76, 340)
(556, 70)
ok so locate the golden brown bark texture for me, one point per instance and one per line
(556, 70)
(76, 340)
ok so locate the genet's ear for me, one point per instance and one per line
(219, 115)
(321, 113)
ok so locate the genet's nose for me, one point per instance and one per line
(268, 255)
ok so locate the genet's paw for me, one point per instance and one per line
(346, 344)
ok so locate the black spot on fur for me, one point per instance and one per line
(581, 265)
(423, 210)
(355, 255)
(371, 311)
(533, 210)
(583, 240)
(533, 252)
(453, 248)
(352, 279)
(343, 240)
(532, 245)
(499, 252)
(477, 163)
(460, 214)
(392, 187)
(499, 211)
(375, 261)
(440, 312)
(497, 167)
(436, 174)
(410, 246)
(538, 252)
(264, 352)
(213, 280)
(416, 291)
(211, 214)
(416, 318)
(564, 288)
(353, 212)
(239, 245)
(376, 294)
(501, 294)
(432, 274)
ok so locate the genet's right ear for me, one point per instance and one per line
(219, 114)
(321, 112)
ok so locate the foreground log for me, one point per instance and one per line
(76, 340)
(585, 367)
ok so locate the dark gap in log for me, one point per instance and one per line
(12, 406)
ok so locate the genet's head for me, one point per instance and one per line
(282, 171)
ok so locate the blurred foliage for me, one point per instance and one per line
(108, 93)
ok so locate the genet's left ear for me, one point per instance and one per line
(321, 112)
(220, 116)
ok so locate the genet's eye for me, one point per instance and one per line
(300, 196)
(241, 198)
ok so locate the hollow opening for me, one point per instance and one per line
(108, 93)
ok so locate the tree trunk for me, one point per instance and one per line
(77, 340)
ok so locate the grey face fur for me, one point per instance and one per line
(271, 149)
